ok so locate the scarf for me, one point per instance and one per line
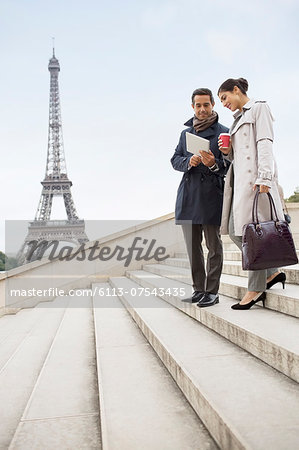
(203, 124)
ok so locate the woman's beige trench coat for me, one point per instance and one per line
(253, 163)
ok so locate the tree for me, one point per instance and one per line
(7, 263)
(2, 261)
(295, 197)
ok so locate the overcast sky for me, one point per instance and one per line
(128, 69)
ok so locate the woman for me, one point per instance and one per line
(253, 167)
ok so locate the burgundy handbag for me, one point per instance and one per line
(266, 245)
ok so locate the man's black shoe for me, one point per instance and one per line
(196, 296)
(208, 300)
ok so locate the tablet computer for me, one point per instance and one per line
(195, 143)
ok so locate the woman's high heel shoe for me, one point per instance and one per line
(259, 298)
(280, 278)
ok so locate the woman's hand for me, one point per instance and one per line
(224, 150)
(263, 188)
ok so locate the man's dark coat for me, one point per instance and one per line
(200, 193)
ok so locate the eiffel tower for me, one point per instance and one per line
(56, 183)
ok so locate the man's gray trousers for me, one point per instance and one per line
(205, 279)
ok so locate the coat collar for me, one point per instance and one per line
(247, 106)
(240, 117)
(189, 123)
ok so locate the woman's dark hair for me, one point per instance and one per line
(229, 85)
(202, 91)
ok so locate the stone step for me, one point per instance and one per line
(285, 301)
(234, 267)
(282, 300)
(268, 335)
(141, 406)
(296, 239)
(63, 409)
(14, 329)
(21, 364)
(230, 255)
(238, 397)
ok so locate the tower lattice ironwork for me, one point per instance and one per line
(56, 182)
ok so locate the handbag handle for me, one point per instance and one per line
(255, 208)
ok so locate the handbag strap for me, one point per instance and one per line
(255, 207)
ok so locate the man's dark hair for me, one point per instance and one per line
(202, 91)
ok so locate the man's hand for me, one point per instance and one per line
(194, 160)
(207, 158)
(263, 189)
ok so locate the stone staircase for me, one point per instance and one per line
(48, 380)
(82, 374)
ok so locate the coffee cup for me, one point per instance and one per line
(225, 137)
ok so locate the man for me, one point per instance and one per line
(199, 199)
